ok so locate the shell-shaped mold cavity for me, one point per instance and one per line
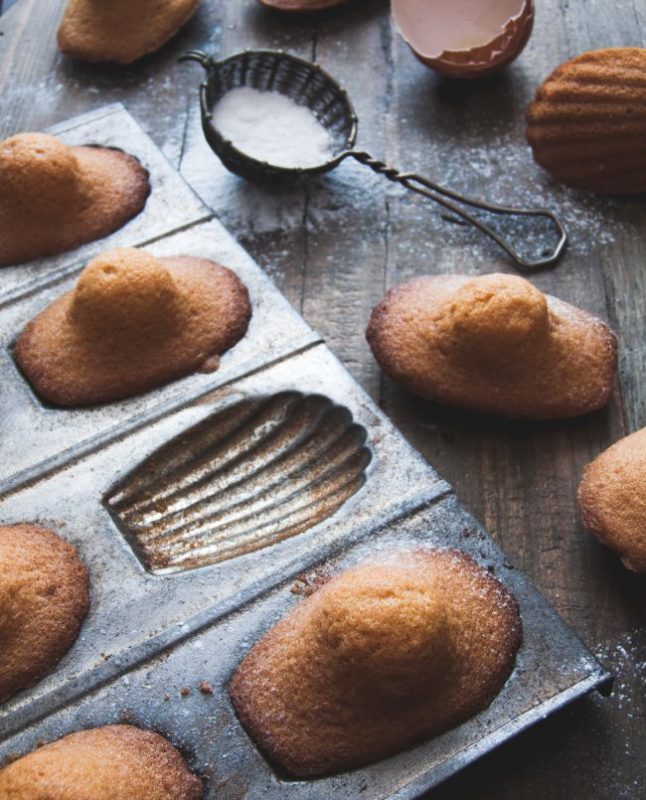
(258, 472)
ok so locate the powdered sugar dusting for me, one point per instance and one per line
(625, 657)
(249, 210)
(271, 127)
(497, 167)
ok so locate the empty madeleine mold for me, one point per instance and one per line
(258, 472)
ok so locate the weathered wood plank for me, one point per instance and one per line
(6, 5)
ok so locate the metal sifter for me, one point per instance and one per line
(309, 85)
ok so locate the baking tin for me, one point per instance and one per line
(160, 643)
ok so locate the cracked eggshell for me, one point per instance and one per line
(465, 38)
(301, 6)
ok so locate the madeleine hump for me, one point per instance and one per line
(612, 499)
(115, 762)
(120, 31)
(43, 602)
(493, 344)
(384, 655)
(132, 323)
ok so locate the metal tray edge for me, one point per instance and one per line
(601, 681)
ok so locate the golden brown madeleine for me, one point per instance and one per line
(117, 762)
(43, 601)
(120, 30)
(55, 198)
(587, 125)
(612, 499)
(133, 322)
(493, 344)
(382, 656)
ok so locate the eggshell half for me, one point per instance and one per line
(465, 38)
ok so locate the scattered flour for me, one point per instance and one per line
(269, 126)
(625, 657)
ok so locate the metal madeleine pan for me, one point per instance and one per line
(262, 470)
(171, 204)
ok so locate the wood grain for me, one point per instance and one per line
(334, 246)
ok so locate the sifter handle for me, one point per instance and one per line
(444, 197)
(198, 55)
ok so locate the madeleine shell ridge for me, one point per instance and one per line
(587, 124)
(251, 475)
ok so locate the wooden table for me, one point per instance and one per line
(334, 247)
